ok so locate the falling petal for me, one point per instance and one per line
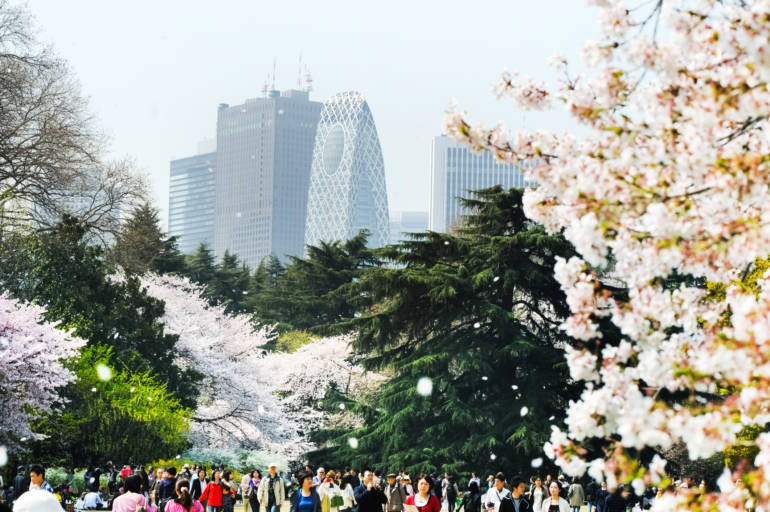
(342, 407)
(514, 387)
(104, 372)
(492, 456)
(476, 325)
(149, 398)
(353, 442)
(496, 279)
(552, 418)
(484, 378)
(424, 386)
(524, 411)
(93, 390)
(133, 389)
(446, 242)
(3, 456)
(536, 463)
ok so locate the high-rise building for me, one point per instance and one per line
(404, 222)
(347, 182)
(455, 171)
(264, 153)
(191, 201)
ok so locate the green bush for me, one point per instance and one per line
(78, 481)
(56, 476)
(292, 341)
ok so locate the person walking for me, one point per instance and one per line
(330, 494)
(395, 495)
(256, 479)
(601, 498)
(132, 497)
(198, 484)
(348, 493)
(369, 495)
(472, 499)
(576, 496)
(498, 492)
(518, 502)
(591, 491)
(306, 499)
(166, 488)
(449, 491)
(246, 490)
(554, 502)
(212, 494)
(424, 500)
(271, 491)
(538, 494)
(184, 501)
(229, 490)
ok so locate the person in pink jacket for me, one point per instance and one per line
(183, 502)
(132, 497)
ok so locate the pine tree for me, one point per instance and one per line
(230, 284)
(199, 266)
(478, 314)
(312, 293)
(142, 246)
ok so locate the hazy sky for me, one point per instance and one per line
(156, 70)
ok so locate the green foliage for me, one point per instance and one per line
(478, 313)
(79, 481)
(230, 284)
(71, 278)
(199, 266)
(130, 416)
(310, 293)
(56, 476)
(291, 341)
(141, 245)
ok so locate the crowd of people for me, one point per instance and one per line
(216, 489)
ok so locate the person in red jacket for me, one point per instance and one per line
(424, 501)
(213, 493)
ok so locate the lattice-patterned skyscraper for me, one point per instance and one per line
(347, 180)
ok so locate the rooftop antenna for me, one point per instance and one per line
(272, 85)
(299, 73)
(308, 80)
(265, 86)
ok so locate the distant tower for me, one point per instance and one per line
(347, 180)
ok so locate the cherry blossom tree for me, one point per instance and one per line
(251, 398)
(32, 353)
(668, 188)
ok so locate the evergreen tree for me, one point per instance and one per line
(71, 278)
(478, 314)
(142, 246)
(312, 293)
(230, 284)
(199, 266)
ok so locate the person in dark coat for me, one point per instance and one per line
(20, 483)
(617, 501)
(601, 498)
(471, 499)
(591, 491)
(369, 495)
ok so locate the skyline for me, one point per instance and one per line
(155, 90)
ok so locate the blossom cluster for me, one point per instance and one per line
(668, 188)
(32, 356)
(250, 398)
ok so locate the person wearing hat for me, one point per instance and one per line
(395, 493)
(271, 491)
(20, 483)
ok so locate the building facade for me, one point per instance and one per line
(404, 222)
(455, 171)
(347, 181)
(264, 155)
(191, 198)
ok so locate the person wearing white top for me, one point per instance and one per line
(498, 492)
(559, 503)
(326, 491)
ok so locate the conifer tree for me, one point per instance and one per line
(199, 266)
(477, 314)
(142, 246)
